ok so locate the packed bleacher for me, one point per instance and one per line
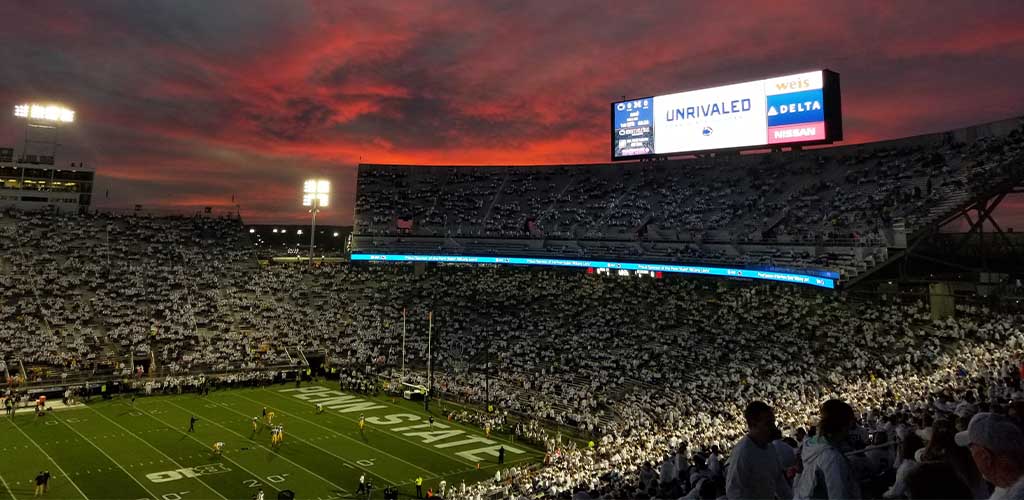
(640, 366)
(839, 209)
(85, 291)
(658, 374)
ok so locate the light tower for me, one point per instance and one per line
(42, 184)
(42, 122)
(314, 196)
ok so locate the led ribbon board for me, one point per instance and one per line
(802, 279)
(788, 110)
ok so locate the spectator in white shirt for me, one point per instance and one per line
(911, 443)
(715, 462)
(754, 468)
(784, 450)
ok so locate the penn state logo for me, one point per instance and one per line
(707, 131)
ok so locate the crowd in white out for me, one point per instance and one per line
(643, 365)
(680, 210)
(897, 442)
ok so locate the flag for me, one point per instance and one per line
(403, 223)
(533, 228)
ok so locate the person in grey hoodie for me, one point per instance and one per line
(827, 473)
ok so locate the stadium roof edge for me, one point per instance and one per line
(961, 134)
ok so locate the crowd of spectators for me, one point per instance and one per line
(640, 366)
(931, 438)
(740, 209)
(659, 374)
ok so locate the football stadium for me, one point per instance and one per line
(738, 302)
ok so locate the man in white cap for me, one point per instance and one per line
(997, 445)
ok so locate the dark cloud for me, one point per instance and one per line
(305, 114)
(183, 102)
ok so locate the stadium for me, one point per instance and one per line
(738, 304)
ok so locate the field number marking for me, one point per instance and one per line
(174, 475)
(273, 478)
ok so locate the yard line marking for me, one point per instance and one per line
(328, 429)
(186, 434)
(55, 464)
(344, 460)
(154, 447)
(454, 458)
(8, 488)
(264, 447)
(108, 458)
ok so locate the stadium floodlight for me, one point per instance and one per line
(42, 129)
(44, 112)
(315, 196)
(315, 192)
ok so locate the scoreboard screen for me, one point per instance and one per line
(789, 110)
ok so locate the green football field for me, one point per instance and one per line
(116, 449)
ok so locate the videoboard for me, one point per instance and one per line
(802, 279)
(789, 110)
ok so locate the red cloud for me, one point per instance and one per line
(186, 107)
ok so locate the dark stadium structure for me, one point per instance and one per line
(849, 209)
(274, 240)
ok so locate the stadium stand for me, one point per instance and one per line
(656, 372)
(87, 291)
(842, 209)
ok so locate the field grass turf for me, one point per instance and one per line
(116, 449)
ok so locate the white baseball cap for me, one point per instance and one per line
(992, 431)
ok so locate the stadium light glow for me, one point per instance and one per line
(315, 196)
(316, 191)
(45, 112)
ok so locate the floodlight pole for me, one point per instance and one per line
(430, 373)
(403, 346)
(312, 232)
